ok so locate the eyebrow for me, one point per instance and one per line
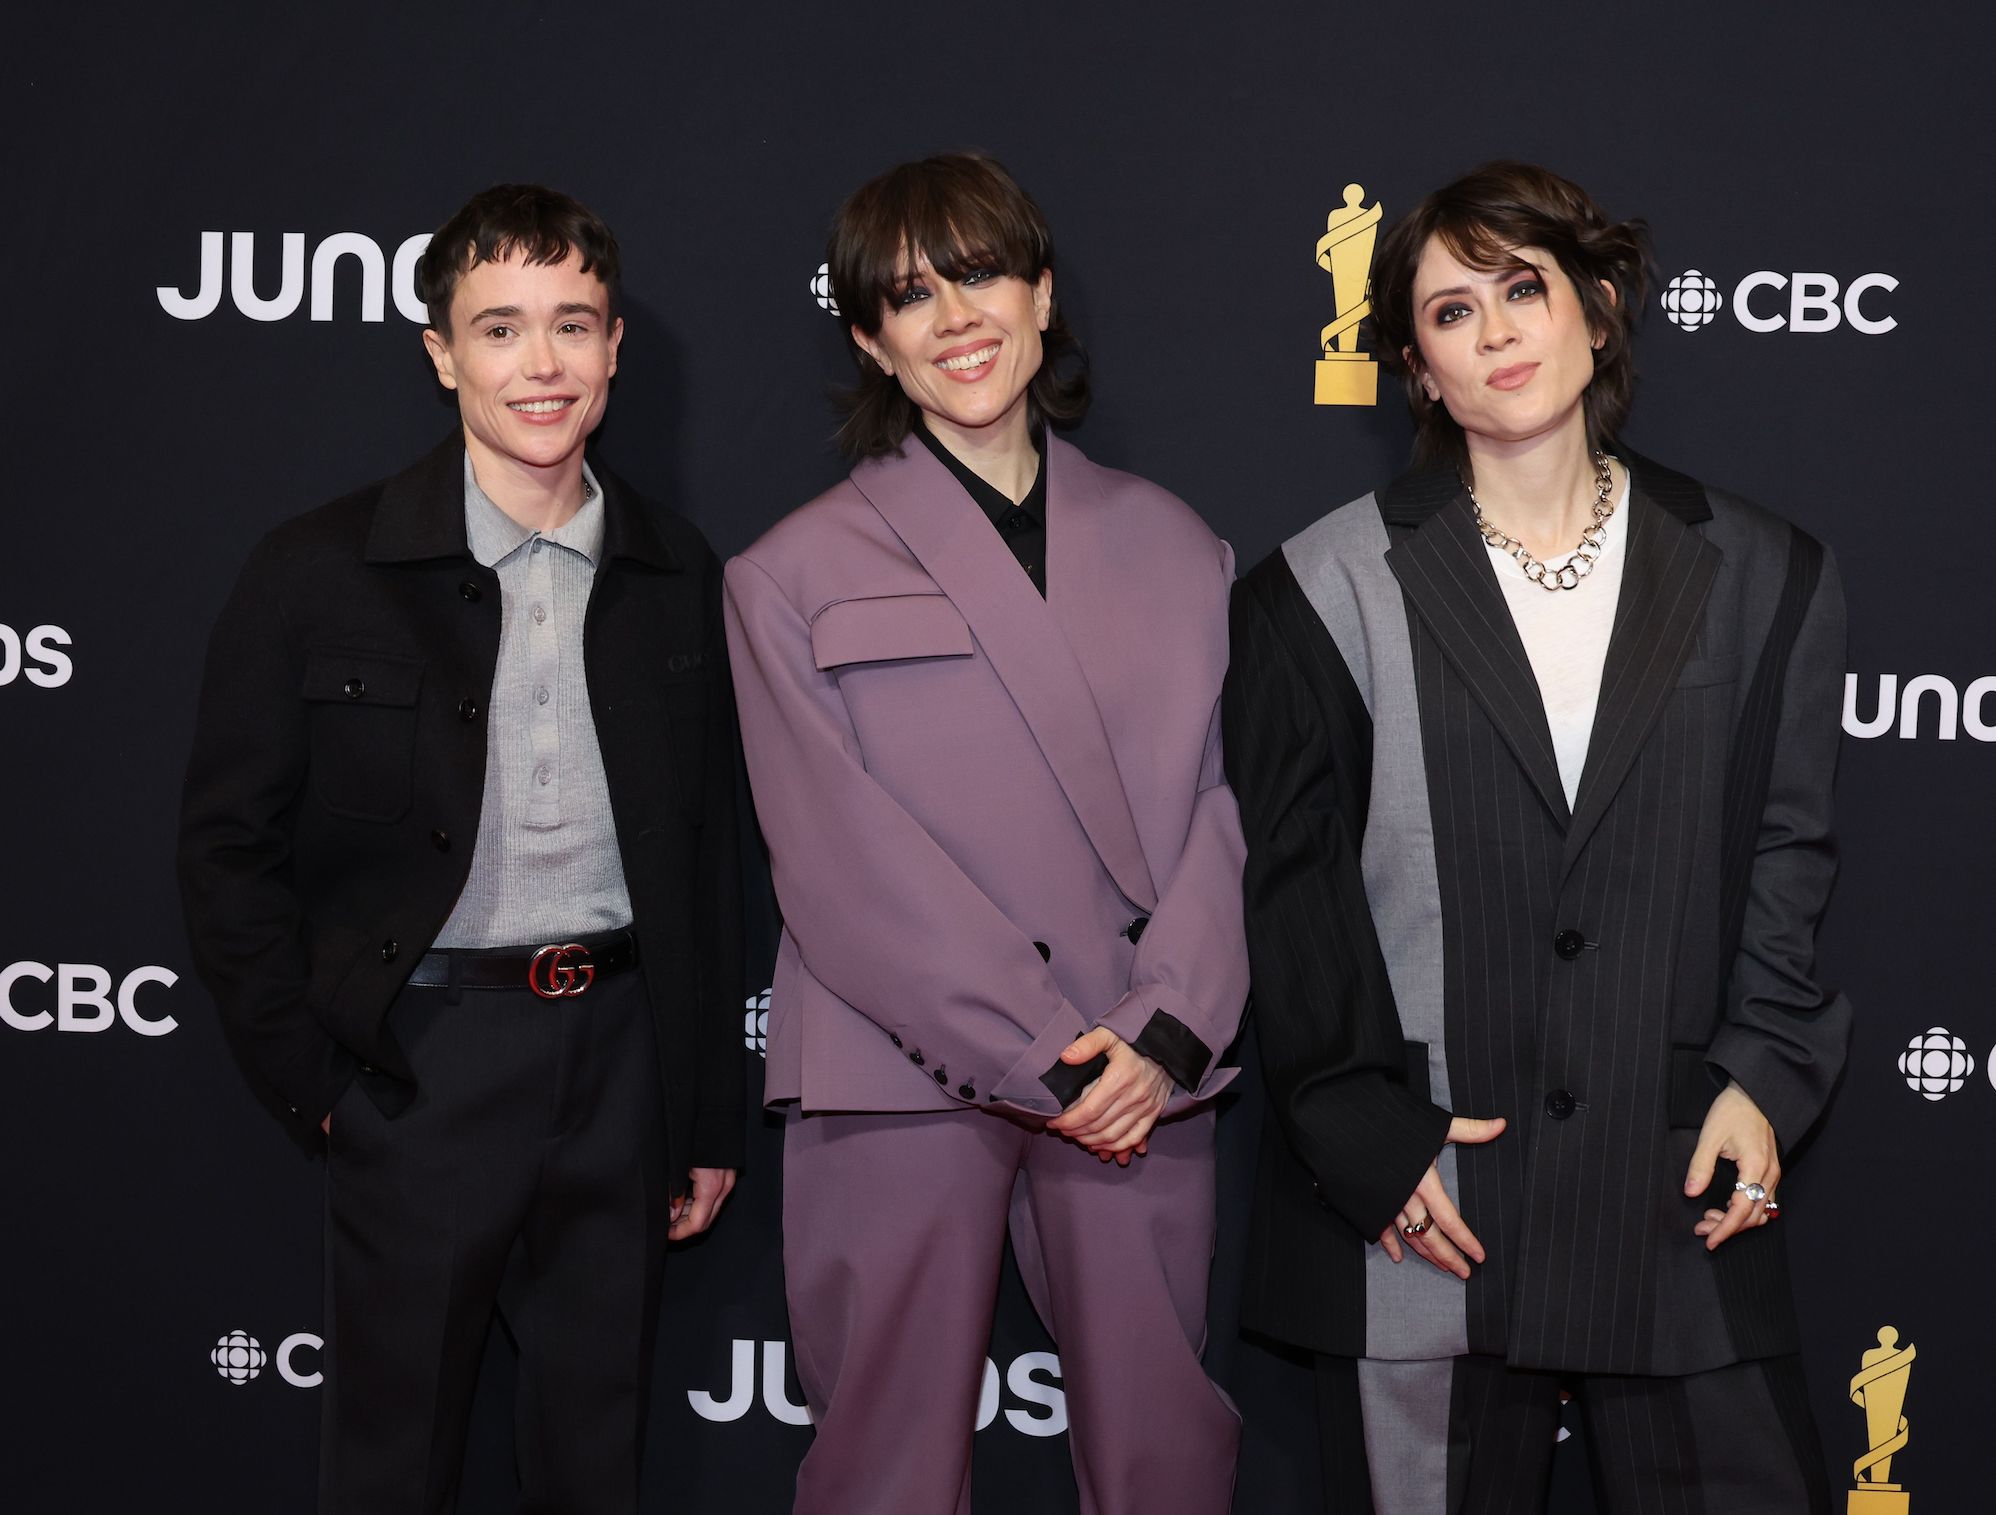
(513, 312)
(1497, 276)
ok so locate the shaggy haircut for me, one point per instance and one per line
(1483, 218)
(542, 225)
(965, 213)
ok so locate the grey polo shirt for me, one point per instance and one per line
(546, 866)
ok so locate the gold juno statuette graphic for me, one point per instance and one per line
(1346, 376)
(1879, 1389)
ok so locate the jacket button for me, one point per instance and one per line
(916, 1058)
(390, 950)
(467, 709)
(1045, 952)
(471, 591)
(440, 840)
(1560, 1104)
(1568, 943)
(353, 689)
(1135, 930)
(893, 1038)
(942, 1076)
(966, 1092)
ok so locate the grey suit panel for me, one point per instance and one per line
(1339, 564)
(1691, 871)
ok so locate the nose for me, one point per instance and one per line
(540, 357)
(954, 308)
(1499, 329)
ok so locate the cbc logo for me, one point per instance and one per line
(1936, 1063)
(755, 1024)
(378, 274)
(1033, 1382)
(32, 654)
(1813, 302)
(821, 289)
(1970, 709)
(83, 999)
(239, 1357)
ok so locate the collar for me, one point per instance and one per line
(420, 515)
(492, 535)
(989, 499)
(1427, 487)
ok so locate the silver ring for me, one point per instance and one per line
(1419, 1227)
(1753, 1192)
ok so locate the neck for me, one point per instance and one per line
(1540, 491)
(1001, 454)
(540, 499)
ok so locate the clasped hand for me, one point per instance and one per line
(1114, 1114)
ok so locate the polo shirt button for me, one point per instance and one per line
(1568, 943)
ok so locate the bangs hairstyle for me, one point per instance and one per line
(1483, 218)
(966, 214)
(542, 225)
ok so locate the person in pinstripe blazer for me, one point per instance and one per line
(1538, 839)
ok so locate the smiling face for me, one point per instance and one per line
(964, 349)
(531, 350)
(1507, 350)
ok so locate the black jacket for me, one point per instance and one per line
(332, 799)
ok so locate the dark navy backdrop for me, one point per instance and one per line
(1188, 157)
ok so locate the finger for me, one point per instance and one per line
(1466, 1128)
(1106, 1104)
(1738, 1213)
(1440, 1251)
(1142, 1148)
(1083, 1047)
(1704, 1159)
(1711, 1220)
(1120, 1132)
(1390, 1238)
(1448, 1220)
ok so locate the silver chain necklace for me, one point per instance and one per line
(1593, 541)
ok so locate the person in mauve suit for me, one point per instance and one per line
(979, 686)
(1534, 750)
(459, 857)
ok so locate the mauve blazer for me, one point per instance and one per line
(994, 820)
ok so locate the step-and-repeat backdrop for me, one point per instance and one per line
(214, 213)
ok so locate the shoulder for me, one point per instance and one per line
(805, 533)
(1164, 518)
(1753, 537)
(333, 532)
(684, 540)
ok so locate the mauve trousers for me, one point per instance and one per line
(894, 1230)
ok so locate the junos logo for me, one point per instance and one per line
(1033, 1380)
(1969, 709)
(1936, 1063)
(1813, 303)
(83, 998)
(378, 275)
(821, 289)
(239, 1357)
(34, 654)
(755, 1024)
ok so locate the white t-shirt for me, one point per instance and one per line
(1565, 633)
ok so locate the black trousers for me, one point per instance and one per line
(1471, 1436)
(526, 1176)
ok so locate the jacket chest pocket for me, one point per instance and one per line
(888, 628)
(361, 713)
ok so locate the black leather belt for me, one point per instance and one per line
(559, 970)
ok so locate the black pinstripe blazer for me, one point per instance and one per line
(1433, 931)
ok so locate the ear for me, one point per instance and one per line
(1600, 338)
(1411, 356)
(438, 347)
(616, 341)
(1043, 298)
(873, 350)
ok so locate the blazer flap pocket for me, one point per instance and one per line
(882, 628)
(1700, 671)
(361, 678)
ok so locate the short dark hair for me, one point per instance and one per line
(1482, 219)
(542, 225)
(965, 212)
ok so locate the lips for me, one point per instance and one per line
(1517, 376)
(968, 361)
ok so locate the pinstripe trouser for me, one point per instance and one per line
(1470, 1436)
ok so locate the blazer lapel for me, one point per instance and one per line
(947, 533)
(1445, 573)
(1665, 582)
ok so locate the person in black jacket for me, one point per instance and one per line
(458, 854)
(1534, 751)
